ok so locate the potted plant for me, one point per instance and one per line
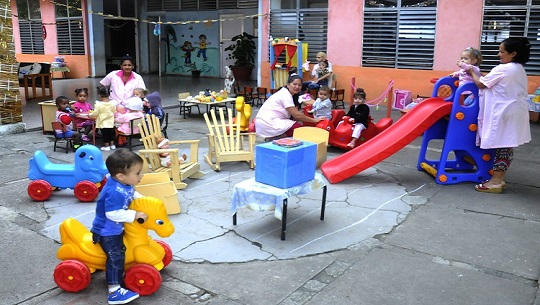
(242, 51)
(195, 73)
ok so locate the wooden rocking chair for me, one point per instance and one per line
(225, 141)
(150, 129)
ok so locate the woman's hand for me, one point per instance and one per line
(351, 120)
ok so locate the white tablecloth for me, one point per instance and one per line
(262, 197)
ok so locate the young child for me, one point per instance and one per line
(111, 213)
(358, 115)
(134, 107)
(153, 106)
(65, 115)
(320, 75)
(322, 106)
(140, 93)
(104, 114)
(82, 106)
(471, 58)
(163, 143)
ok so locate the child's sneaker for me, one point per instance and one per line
(105, 148)
(112, 147)
(86, 138)
(122, 296)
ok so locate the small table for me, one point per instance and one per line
(209, 106)
(261, 196)
(60, 69)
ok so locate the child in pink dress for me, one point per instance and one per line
(134, 107)
(82, 106)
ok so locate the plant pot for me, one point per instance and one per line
(242, 74)
(196, 73)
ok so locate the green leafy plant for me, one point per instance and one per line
(243, 50)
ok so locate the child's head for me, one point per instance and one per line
(359, 96)
(202, 37)
(134, 104)
(471, 56)
(82, 94)
(140, 92)
(324, 92)
(125, 166)
(163, 143)
(103, 91)
(323, 64)
(154, 100)
(62, 103)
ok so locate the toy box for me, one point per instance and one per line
(285, 167)
(402, 98)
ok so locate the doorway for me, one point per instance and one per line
(119, 41)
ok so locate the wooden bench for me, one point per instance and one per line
(33, 82)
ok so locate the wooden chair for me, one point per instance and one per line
(337, 98)
(178, 172)
(185, 106)
(248, 95)
(129, 137)
(259, 96)
(225, 146)
(315, 135)
(59, 138)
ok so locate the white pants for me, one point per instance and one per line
(357, 129)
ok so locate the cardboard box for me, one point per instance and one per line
(285, 167)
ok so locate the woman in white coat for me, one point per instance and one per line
(503, 118)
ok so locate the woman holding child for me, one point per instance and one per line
(274, 117)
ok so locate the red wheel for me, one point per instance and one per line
(102, 184)
(86, 191)
(39, 190)
(72, 276)
(167, 259)
(143, 279)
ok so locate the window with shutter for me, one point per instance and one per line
(30, 27)
(399, 34)
(69, 27)
(510, 18)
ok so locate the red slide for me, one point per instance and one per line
(388, 142)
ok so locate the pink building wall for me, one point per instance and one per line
(459, 25)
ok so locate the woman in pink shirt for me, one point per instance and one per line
(123, 82)
(503, 116)
(274, 117)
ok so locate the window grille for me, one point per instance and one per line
(400, 35)
(510, 18)
(69, 28)
(30, 27)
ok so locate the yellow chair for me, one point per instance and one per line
(159, 185)
(151, 131)
(315, 135)
(225, 146)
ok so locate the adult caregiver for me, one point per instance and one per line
(123, 82)
(503, 118)
(274, 117)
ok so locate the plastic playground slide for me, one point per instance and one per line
(388, 142)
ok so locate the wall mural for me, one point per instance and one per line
(193, 47)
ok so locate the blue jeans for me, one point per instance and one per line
(114, 248)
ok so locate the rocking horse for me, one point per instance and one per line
(145, 257)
